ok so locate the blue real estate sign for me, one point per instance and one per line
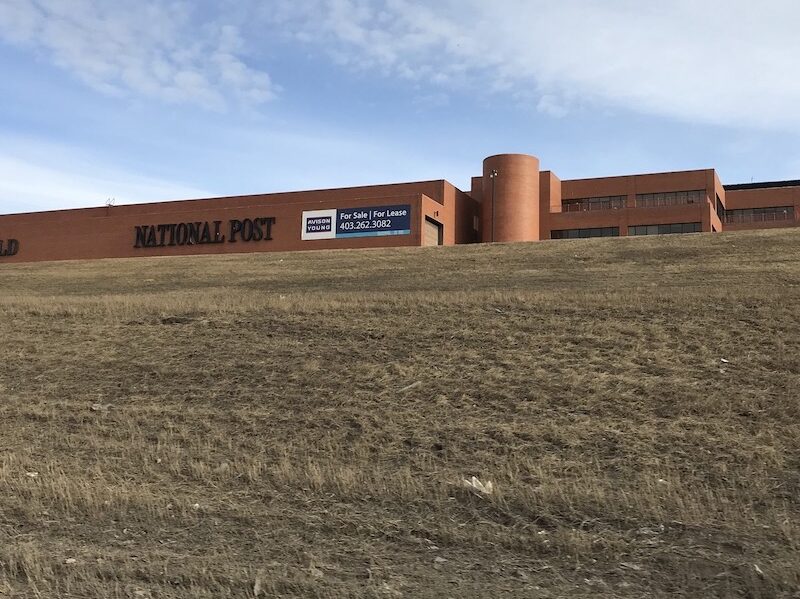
(357, 222)
(371, 222)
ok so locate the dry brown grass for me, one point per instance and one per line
(301, 424)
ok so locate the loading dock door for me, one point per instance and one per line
(433, 234)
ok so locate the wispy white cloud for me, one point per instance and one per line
(161, 50)
(728, 62)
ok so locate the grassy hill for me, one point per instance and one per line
(301, 424)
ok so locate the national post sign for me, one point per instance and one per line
(344, 223)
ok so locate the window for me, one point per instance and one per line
(665, 229)
(759, 215)
(720, 209)
(671, 198)
(598, 203)
(585, 233)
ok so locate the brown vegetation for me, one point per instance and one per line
(302, 424)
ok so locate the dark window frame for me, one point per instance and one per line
(759, 215)
(594, 203)
(665, 229)
(585, 233)
(671, 198)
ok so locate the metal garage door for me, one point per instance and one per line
(432, 234)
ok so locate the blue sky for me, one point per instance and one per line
(147, 101)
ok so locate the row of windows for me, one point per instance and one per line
(636, 230)
(599, 203)
(585, 233)
(759, 215)
(643, 200)
(670, 198)
(665, 229)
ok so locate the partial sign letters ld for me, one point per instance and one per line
(8, 247)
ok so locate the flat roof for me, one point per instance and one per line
(762, 185)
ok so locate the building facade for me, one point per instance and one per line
(512, 201)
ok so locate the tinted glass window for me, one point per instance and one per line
(594, 203)
(585, 233)
(670, 198)
(665, 229)
(755, 215)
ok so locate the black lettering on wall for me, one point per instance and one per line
(218, 236)
(194, 233)
(236, 228)
(141, 237)
(268, 222)
(151, 237)
(9, 247)
(181, 234)
(162, 233)
(203, 232)
(247, 230)
(258, 232)
(172, 228)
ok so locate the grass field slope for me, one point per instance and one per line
(302, 425)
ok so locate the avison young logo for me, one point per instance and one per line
(9, 247)
(204, 232)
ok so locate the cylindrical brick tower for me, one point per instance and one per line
(510, 207)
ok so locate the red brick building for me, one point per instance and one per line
(513, 200)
